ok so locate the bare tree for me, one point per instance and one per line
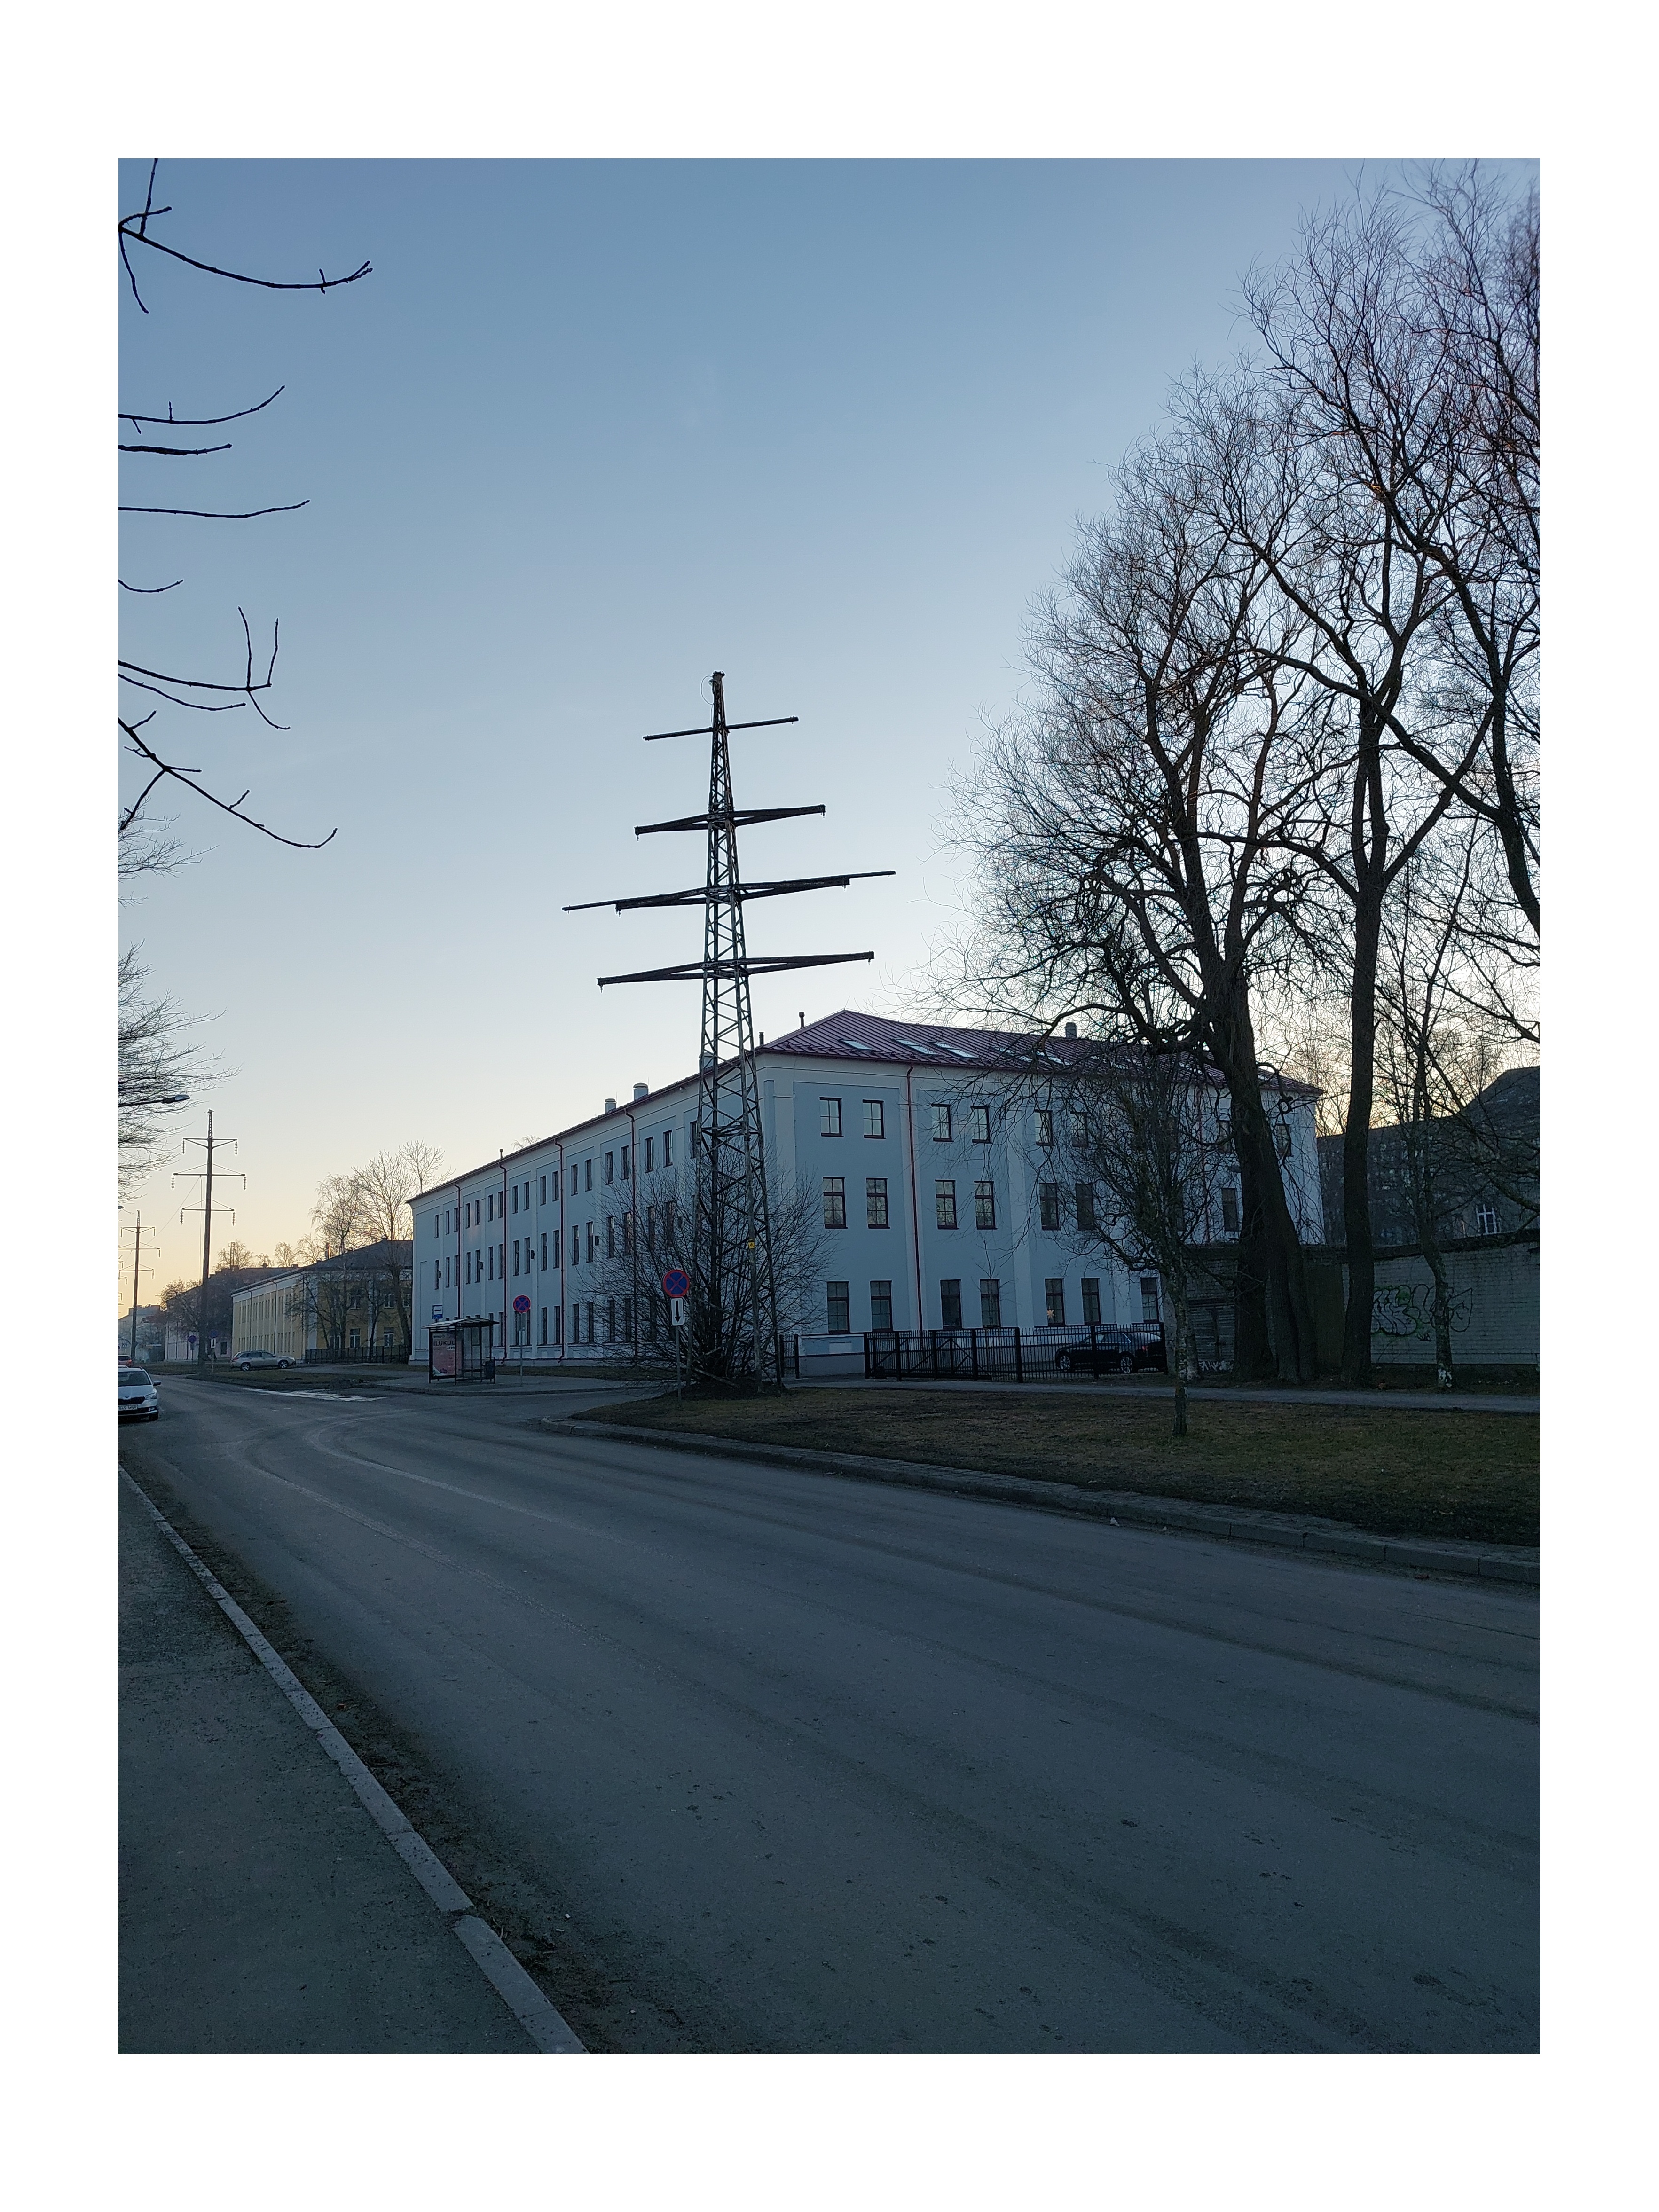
(385, 1186)
(156, 1069)
(152, 439)
(1140, 1135)
(1138, 831)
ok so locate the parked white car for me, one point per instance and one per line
(245, 1360)
(139, 1401)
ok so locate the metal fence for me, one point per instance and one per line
(377, 1355)
(1016, 1355)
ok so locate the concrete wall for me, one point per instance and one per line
(1495, 1309)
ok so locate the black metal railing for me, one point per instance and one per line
(1017, 1355)
(378, 1355)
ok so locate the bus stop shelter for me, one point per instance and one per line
(461, 1350)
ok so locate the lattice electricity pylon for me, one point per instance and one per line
(733, 1335)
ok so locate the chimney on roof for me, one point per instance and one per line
(1071, 1029)
(641, 1091)
(609, 1105)
(803, 1021)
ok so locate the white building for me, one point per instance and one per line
(930, 1167)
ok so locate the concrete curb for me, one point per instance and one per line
(546, 2026)
(1237, 1524)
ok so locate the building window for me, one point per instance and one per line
(515, 1256)
(541, 1198)
(1054, 1299)
(1086, 1205)
(1149, 1297)
(875, 1119)
(544, 1261)
(515, 1197)
(543, 1324)
(985, 1206)
(491, 1248)
(610, 1235)
(1091, 1297)
(588, 1184)
(611, 1167)
(829, 1117)
(467, 1276)
(990, 1303)
(875, 1201)
(949, 1304)
(490, 1206)
(941, 1125)
(355, 1341)
(838, 1309)
(558, 1324)
(576, 1324)
(668, 1148)
(575, 1246)
(1485, 1221)
(944, 1204)
(593, 1250)
(1045, 1127)
(979, 1125)
(501, 1255)
(1049, 1205)
(628, 1321)
(573, 1193)
(624, 1163)
(1230, 1213)
(648, 1167)
(610, 1321)
(881, 1305)
(835, 1202)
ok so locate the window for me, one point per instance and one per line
(1045, 1127)
(491, 1249)
(875, 1120)
(610, 1321)
(985, 1206)
(515, 1252)
(592, 1248)
(875, 1201)
(949, 1304)
(835, 1202)
(624, 1163)
(573, 1193)
(1230, 1213)
(1085, 1205)
(469, 1268)
(543, 1324)
(611, 1167)
(628, 1234)
(829, 1117)
(979, 1125)
(1149, 1297)
(668, 1148)
(941, 1125)
(1049, 1205)
(1485, 1221)
(590, 1319)
(575, 1248)
(490, 1206)
(610, 1235)
(944, 1204)
(588, 1184)
(881, 1305)
(500, 1250)
(838, 1309)
(1091, 1297)
(576, 1324)
(541, 1198)
(543, 1262)
(558, 1324)
(628, 1321)
(355, 1339)
(515, 1197)
(990, 1303)
(649, 1164)
(558, 1250)
(1054, 1298)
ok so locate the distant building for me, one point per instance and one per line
(937, 1210)
(355, 1305)
(1484, 1161)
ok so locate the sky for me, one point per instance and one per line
(589, 431)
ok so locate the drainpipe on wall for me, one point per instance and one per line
(915, 1217)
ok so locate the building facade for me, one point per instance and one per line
(916, 1146)
(349, 1306)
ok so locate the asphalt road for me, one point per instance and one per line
(751, 1759)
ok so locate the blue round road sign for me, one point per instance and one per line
(676, 1284)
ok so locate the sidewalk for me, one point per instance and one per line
(262, 1908)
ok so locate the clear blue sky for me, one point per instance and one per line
(589, 430)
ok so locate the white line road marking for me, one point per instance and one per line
(542, 2022)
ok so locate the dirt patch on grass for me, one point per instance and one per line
(1468, 1476)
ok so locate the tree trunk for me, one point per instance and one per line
(1356, 1145)
(1184, 1361)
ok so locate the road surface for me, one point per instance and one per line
(744, 1759)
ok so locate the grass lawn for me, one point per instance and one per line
(1467, 1475)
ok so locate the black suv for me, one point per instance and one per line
(1113, 1352)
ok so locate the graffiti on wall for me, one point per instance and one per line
(1406, 1311)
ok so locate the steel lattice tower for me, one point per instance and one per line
(733, 1336)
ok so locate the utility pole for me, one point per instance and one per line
(733, 1334)
(132, 1318)
(195, 1175)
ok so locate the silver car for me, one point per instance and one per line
(245, 1360)
(139, 1401)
